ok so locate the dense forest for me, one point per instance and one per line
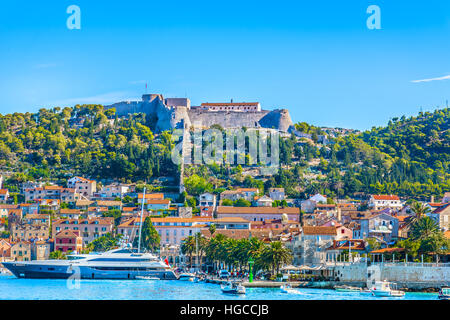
(409, 157)
(85, 140)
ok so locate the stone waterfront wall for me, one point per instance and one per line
(413, 276)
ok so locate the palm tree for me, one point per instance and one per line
(212, 229)
(275, 255)
(214, 247)
(188, 247)
(424, 228)
(419, 210)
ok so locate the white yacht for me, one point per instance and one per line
(123, 263)
(114, 264)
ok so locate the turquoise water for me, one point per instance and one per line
(12, 288)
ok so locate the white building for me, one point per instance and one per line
(83, 186)
(378, 202)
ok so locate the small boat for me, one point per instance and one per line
(444, 293)
(346, 288)
(366, 292)
(146, 278)
(187, 277)
(233, 288)
(386, 289)
(287, 288)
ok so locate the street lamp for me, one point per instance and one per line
(250, 265)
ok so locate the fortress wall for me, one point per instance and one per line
(226, 119)
(125, 108)
(174, 117)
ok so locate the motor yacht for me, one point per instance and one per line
(120, 263)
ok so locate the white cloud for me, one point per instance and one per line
(432, 79)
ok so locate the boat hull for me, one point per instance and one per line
(36, 271)
(379, 293)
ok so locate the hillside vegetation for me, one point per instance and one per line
(409, 157)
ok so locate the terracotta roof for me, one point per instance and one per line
(37, 216)
(247, 189)
(159, 201)
(102, 203)
(4, 191)
(320, 205)
(385, 197)
(83, 203)
(15, 211)
(128, 209)
(105, 220)
(319, 231)
(67, 234)
(441, 208)
(52, 188)
(231, 219)
(176, 219)
(388, 250)
(84, 179)
(9, 206)
(435, 204)
(97, 209)
(257, 210)
(345, 244)
(239, 234)
(447, 234)
(224, 104)
(69, 211)
(229, 192)
(151, 196)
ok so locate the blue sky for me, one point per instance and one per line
(316, 58)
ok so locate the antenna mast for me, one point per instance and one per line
(140, 224)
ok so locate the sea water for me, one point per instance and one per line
(12, 288)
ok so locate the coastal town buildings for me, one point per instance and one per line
(90, 229)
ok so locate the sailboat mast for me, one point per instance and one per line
(140, 224)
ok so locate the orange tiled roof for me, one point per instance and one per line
(159, 196)
(257, 210)
(388, 250)
(224, 104)
(385, 197)
(319, 230)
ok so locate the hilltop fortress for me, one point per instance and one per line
(177, 113)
